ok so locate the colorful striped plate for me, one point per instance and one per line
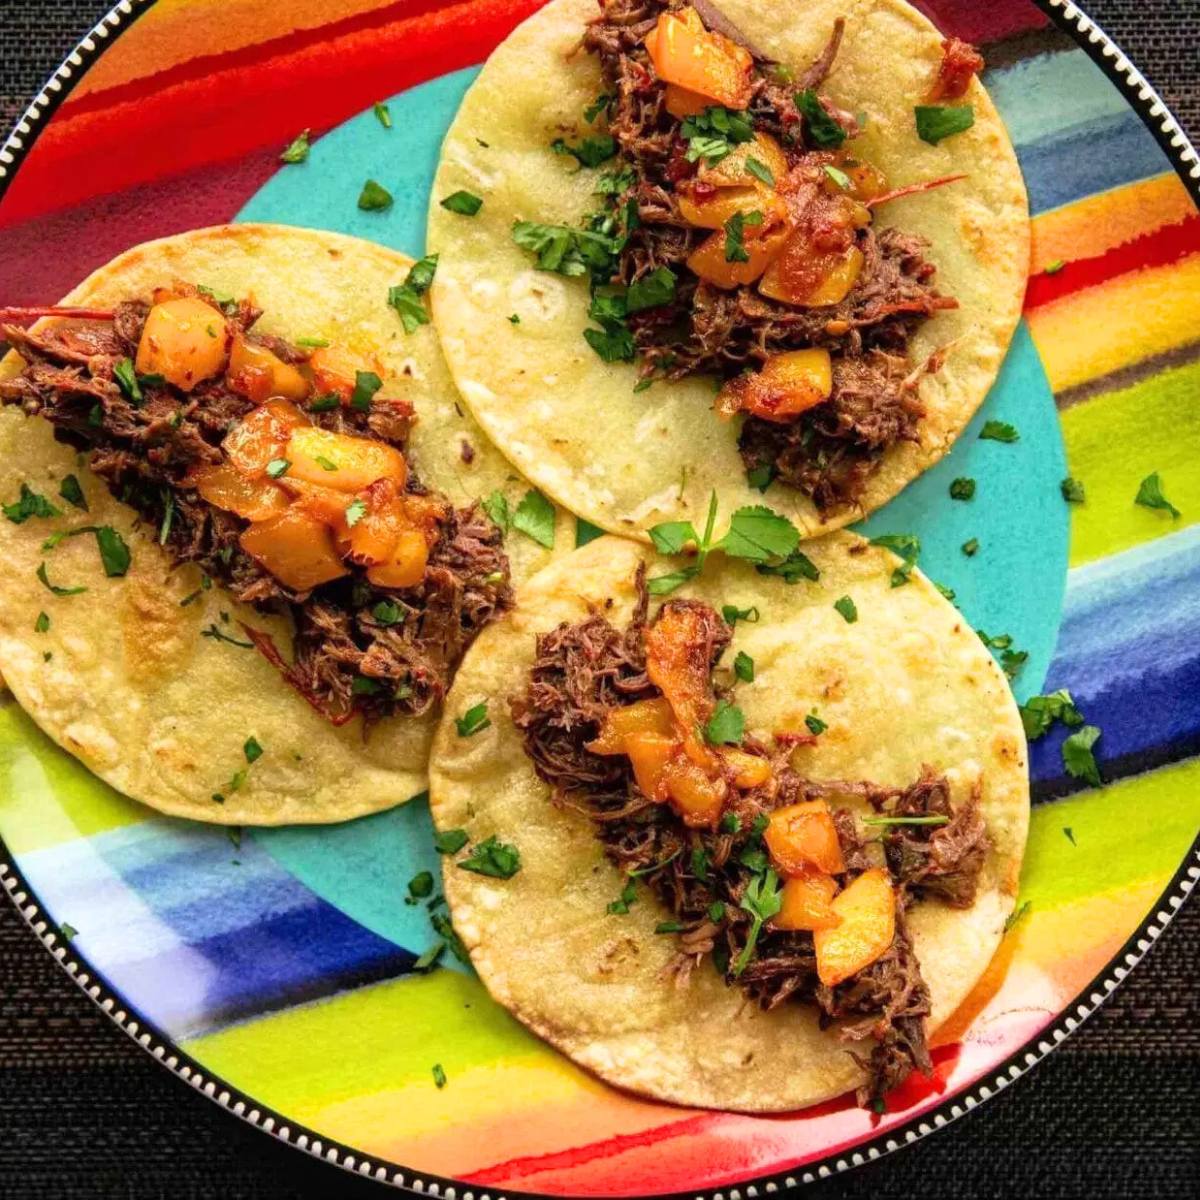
(274, 970)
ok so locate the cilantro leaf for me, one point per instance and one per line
(762, 899)
(732, 614)
(1038, 713)
(815, 725)
(726, 725)
(278, 467)
(534, 517)
(998, 431)
(496, 507)
(907, 546)
(670, 537)
(962, 489)
(612, 344)
(760, 171)
(567, 251)
(620, 906)
(590, 152)
(374, 197)
(72, 492)
(1150, 495)
(1077, 755)
(473, 720)
(664, 585)
(252, 750)
(405, 298)
(759, 534)
(792, 569)
(297, 149)
(114, 553)
(382, 113)
(846, 606)
(1072, 491)
(935, 121)
(840, 178)
(970, 547)
(760, 477)
(366, 384)
(30, 504)
(823, 131)
(601, 104)
(651, 290)
(442, 927)
(451, 841)
(712, 134)
(500, 860)
(388, 612)
(42, 624)
(743, 667)
(735, 246)
(420, 886)
(466, 204)
(355, 511)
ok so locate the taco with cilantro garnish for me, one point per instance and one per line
(744, 848)
(243, 534)
(748, 247)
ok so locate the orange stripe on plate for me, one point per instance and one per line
(1097, 224)
(1118, 323)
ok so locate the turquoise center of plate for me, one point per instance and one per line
(1013, 585)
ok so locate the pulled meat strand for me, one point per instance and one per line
(144, 452)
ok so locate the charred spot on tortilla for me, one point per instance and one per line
(280, 470)
(785, 891)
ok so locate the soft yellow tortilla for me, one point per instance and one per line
(131, 687)
(573, 423)
(908, 684)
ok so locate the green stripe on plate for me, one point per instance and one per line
(1113, 442)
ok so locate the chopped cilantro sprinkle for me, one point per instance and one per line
(387, 612)
(907, 546)
(499, 860)
(651, 291)
(590, 152)
(999, 431)
(838, 177)
(815, 725)
(466, 204)
(620, 906)
(962, 489)
(1017, 914)
(935, 122)
(278, 467)
(760, 477)
(405, 297)
(743, 667)
(535, 518)
(823, 131)
(29, 504)
(366, 384)
(382, 113)
(450, 841)
(726, 725)
(72, 492)
(42, 624)
(298, 148)
(429, 957)
(496, 507)
(312, 343)
(1054, 267)
(420, 886)
(760, 171)
(439, 1076)
(326, 403)
(970, 547)
(762, 899)
(846, 606)
(1072, 491)
(252, 750)
(1150, 495)
(326, 464)
(58, 591)
(732, 614)
(1077, 755)
(712, 134)
(355, 511)
(374, 196)
(669, 927)
(473, 720)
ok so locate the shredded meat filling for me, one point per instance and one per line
(345, 658)
(580, 673)
(830, 453)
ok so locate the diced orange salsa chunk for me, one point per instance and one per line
(650, 755)
(340, 461)
(787, 385)
(867, 912)
(184, 340)
(801, 837)
(806, 903)
(335, 369)
(761, 244)
(379, 520)
(750, 770)
(262, 435)
(223, 485)
(732, 171)
(685, 53)
(297, 548)
(708, 209)
(679, 102)
(406, 566)
(258, 373)
(677, 662)
(695, 794)
(646, 716)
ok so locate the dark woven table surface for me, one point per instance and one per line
(1112, 1113)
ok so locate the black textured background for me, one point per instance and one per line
(1112, 1113)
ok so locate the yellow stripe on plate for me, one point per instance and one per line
(1117, 323)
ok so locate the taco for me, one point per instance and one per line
(243, 542)
(746, 849)
(802, 229)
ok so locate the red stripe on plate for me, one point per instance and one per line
(981, 23)
(227, 114)
(1157, 249)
